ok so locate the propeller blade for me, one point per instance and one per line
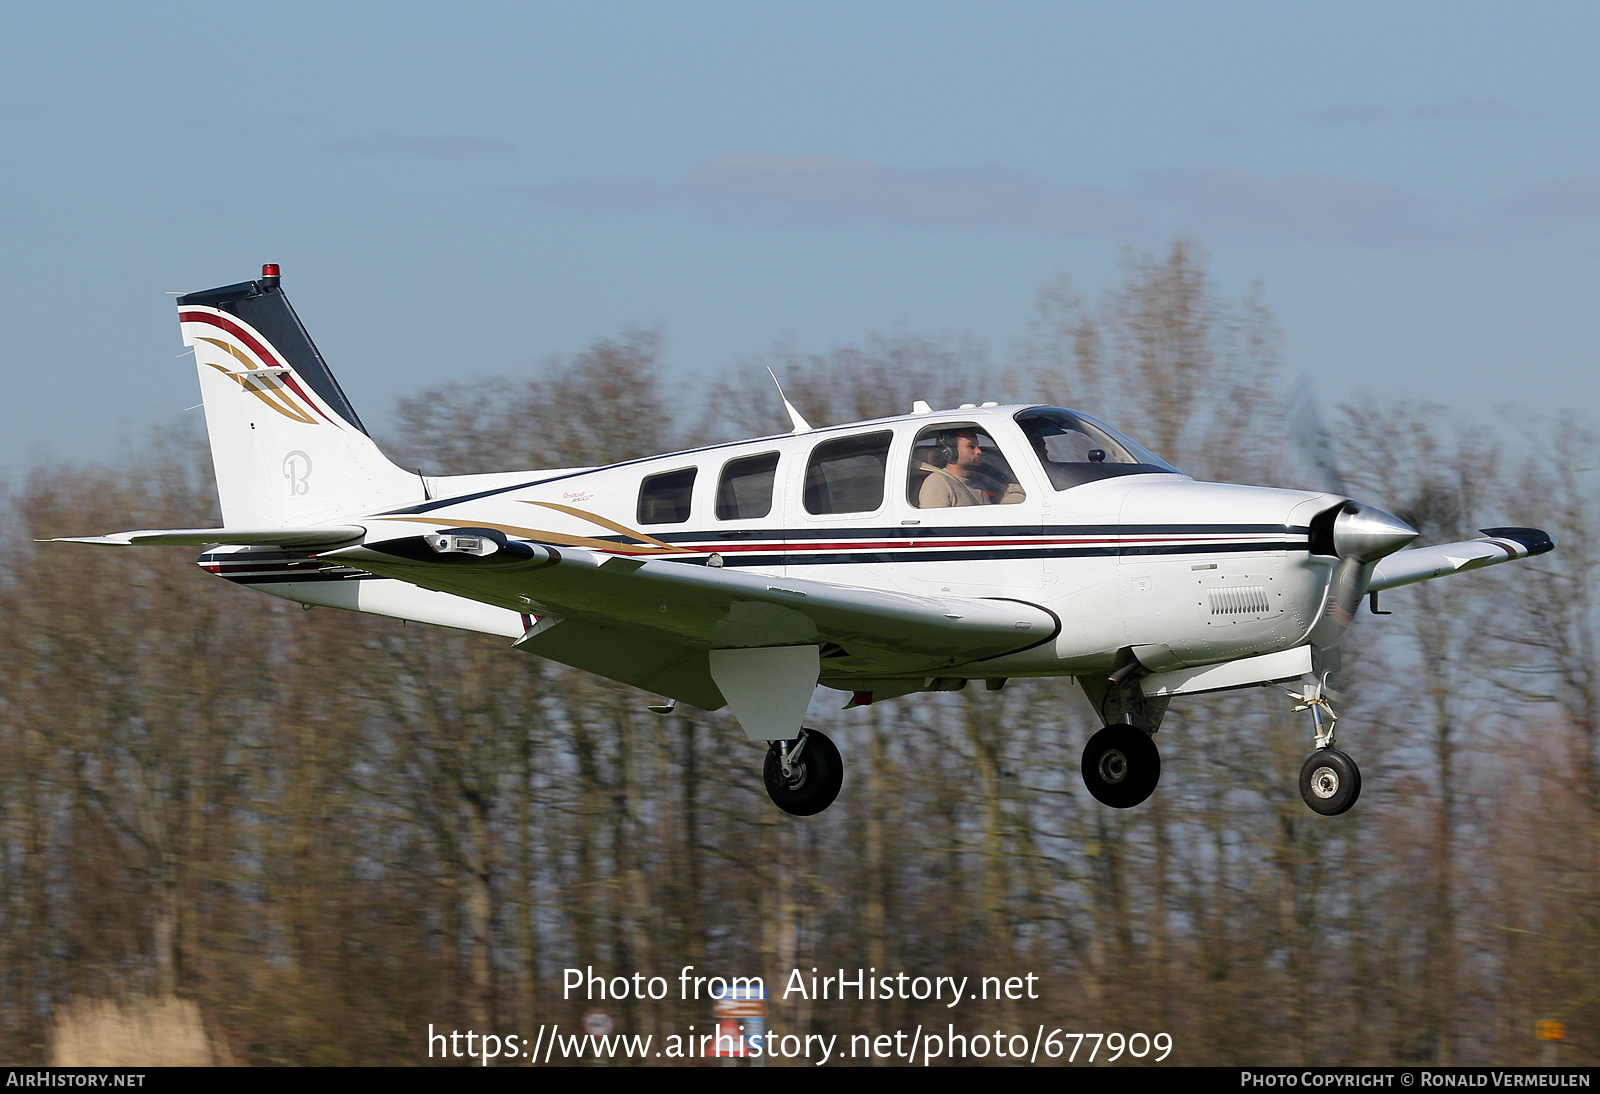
(1309, 431)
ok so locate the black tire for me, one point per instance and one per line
(818, 775)
(1330, 782)
(1121, 766)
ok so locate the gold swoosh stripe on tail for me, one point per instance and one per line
(274, 399)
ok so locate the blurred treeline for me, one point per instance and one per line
(329, 831)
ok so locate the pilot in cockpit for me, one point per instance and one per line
(955, 475)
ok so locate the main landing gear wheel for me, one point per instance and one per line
(1121, 766)
(1330, 782)
(813, 777)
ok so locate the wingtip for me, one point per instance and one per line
(1536, 540)
(120, 540)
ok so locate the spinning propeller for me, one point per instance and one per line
(1358, 535)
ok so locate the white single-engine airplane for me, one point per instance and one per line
(908, 554)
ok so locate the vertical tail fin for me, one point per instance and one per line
(287, 445)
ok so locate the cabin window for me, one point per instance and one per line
(745, 491)
(846, 475)
(664, 499)
(960, 464)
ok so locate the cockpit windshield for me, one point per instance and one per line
(1074, 448)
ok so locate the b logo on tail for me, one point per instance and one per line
(297, 469)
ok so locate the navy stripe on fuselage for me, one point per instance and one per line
(1013, 531)
(1077, 541)
(871, 557)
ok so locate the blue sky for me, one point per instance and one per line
(465, 190)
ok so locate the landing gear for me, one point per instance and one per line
(1121, 766)
(1330, 782)
(804, 775)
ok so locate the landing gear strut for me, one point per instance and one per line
(804, 775)
(1121, 766)
(1330, 781)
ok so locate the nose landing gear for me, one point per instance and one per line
(1330, 781)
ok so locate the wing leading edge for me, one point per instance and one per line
(1421, 563)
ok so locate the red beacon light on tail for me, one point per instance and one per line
(269, 275)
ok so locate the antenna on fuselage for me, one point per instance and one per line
(799, 423)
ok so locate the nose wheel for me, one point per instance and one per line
(1121, 766)
(1330, 782)
(804, 775)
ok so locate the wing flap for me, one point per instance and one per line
(643, 661)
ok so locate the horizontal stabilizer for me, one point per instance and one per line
(330, 536)
(1421, 563)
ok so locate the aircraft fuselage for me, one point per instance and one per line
(1184, 572)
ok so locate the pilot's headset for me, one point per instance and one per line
(945, 449)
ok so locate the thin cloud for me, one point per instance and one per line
(1223, 131)
(834, 190)
(449, 147)
(618, 193)
(1547, 205)
(1472, 110)
(1318, 208)
(1456, 110)
(1347, 114)
(260, 123)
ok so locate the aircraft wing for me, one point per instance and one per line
(1421, 563)
(326, 536)
(636, 619)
